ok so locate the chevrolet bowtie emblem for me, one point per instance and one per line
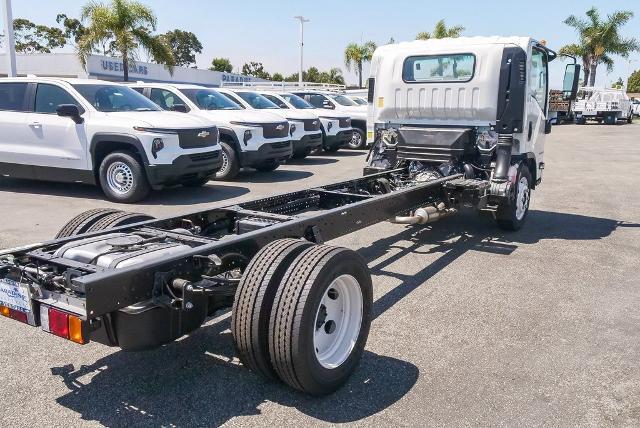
(204, 134)
(280, 127)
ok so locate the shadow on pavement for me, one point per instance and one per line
(198, 381)
(277, 176)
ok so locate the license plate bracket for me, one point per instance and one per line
(15, 295)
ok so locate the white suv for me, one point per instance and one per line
(340, 104)
(305, 132)
(336, 127)
(248, 138)
(98, 132)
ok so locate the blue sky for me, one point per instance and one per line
(265, 31)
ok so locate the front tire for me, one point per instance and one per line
(320, 319)
(512, 214)
(357, 140)
(122, 178)
(230, 163)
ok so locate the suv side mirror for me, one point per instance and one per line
(547, 126)
(327, 104)
(570, 83)
(181, 108)
(70, 110)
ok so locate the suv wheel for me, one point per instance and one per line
(357, 140)
(122, 178)
(230, 164)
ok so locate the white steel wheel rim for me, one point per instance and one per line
(120, 178)
(522, 198)
(225, 162)
(356, 139)
(338, 321)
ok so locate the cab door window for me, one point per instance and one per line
(12, 96)
(49, 97)
(539, 77)
(164, 98)
(317, 100)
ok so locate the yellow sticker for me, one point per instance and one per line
(380, 102)
(369, 135)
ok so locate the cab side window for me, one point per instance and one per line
(49, 97)
(317, 100)
(277, 101)
(165, 99)
(12, 96)
(538, 81)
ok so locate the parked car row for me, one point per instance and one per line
(131, 139)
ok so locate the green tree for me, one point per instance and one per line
(127, 24)
(33, 38)
(618, 84)
(184, 46)
(73, 28)
(633, 84)
(221, 64)
(255, 69)
(277, 77)
(440, 31)
(355, 55)
(599, 39)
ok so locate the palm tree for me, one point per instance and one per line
(440, 31)
(355, 55)
(127, 24)
(598, 40)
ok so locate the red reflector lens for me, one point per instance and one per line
(58, 323)
(13, 314)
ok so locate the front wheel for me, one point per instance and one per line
(357, 140)
(512, 214)
(122, 178)
(230, 163)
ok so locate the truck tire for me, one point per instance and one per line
(320, 319)
(83, 221)
(121, 218)
(512, 214)
(254, 299)
(267, 166)
(610, 119)
(358, 139)
(580, 120)
(122, 178)
(230, 163)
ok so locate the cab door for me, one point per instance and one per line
(14, 136)
(536, 105)
(56, 141)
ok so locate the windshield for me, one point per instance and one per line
(342, 100)
(296, 101)
(209, 99)
(359, 101)
(112, 98)
(256, 100)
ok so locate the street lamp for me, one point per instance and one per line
(302, 20)
(10, 42)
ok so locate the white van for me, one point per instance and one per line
(248, 138)
(98, 132)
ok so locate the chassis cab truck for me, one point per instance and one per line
(476, 106)
(458, 123)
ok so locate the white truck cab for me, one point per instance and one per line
(304, 127)
(98, 132)
(248, 138)
(475, 105)
(342, 104)
(336, 128)
(602, 105)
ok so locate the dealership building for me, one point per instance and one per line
(108, 68)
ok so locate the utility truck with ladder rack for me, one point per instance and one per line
(458, 124)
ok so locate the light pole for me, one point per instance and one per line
(9, 41)
(302, 20)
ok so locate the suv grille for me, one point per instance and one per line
(196, 138)
(311, 124)
(275, 130)
(345, 122)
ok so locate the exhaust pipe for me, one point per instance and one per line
(425, 215)
(503, 158)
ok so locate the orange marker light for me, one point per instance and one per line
(75, 330)
(4, 311)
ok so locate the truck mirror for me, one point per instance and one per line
(547, 126)
(570, 83)
(69, 110)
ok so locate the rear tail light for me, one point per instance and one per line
(62, 324)
(13, 314)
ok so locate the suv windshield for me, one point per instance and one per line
(296, 101)
(256, 100)
(209, 99)
(113, 98)
(342, 100)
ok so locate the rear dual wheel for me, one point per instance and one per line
(99, 219)
(305, 318)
